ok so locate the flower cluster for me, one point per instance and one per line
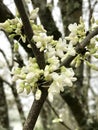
(94, 23)
(55, 51)
(15, 27)
(65, 78)
(92, 48)
(12, 26)
(77, 32)
(30, 77)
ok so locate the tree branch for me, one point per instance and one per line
(6, 82)
(73, 101)
(35, 110)
(29, 33)
(37, 105)
(80, 47)
(17, 100)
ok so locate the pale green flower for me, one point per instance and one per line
(71, 50)
(77, 32)
(34, 14)
(50, 52)
(73, 38)
(42, 40)
(65, 78)
(61, 47)
(30, 76)
(47, 72)
(54, 63)
(94, 25)
(37, 29)
(16, 46)
(38, 94)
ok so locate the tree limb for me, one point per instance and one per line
(79, 47)
(29, 33)
(35, 110)
(38, 104)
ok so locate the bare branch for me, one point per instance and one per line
(35, 110)
(94, 94)
(5, 13)
(91, 9)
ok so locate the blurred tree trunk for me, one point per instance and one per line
(71, 12)
(4, 120)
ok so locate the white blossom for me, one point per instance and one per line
(73, 27)
(50, 52)
(61, 47)
(65, 78)
(55, 52)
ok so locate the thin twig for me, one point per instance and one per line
(5, 58)
(17, 100)
(61, 122)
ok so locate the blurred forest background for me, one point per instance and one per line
(77, 107)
